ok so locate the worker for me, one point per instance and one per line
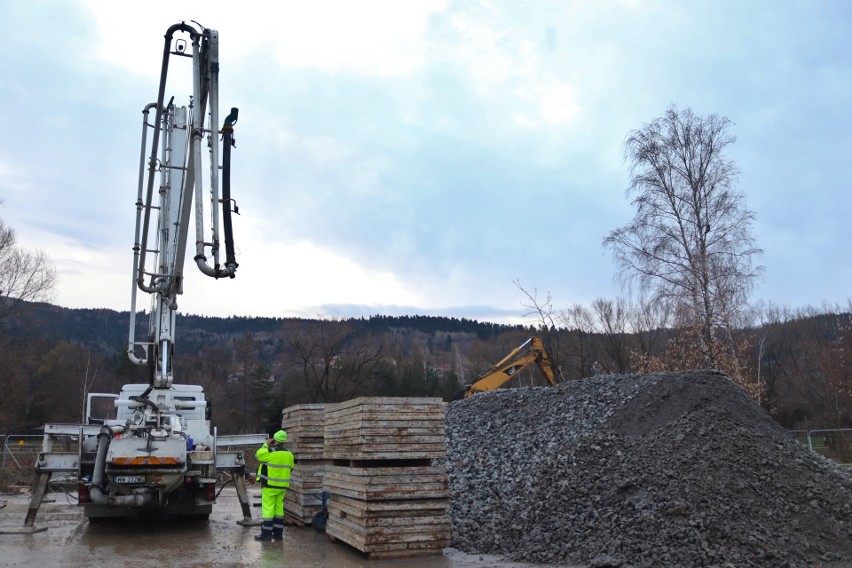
(276, 463)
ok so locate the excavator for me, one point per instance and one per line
(530, 351)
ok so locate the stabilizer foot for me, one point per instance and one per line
(21, 530)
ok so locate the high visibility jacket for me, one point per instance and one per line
(275, 466)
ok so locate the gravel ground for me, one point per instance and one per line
(641, 471)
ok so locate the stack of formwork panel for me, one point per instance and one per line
(304, 424)
(387, 499)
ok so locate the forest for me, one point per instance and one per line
(795, 363)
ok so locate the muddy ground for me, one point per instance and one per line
(71, 541)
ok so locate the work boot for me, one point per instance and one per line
(278, 528)
(263, 536)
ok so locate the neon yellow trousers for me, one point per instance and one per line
(272, 510)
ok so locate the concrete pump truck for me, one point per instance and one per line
(157, 453)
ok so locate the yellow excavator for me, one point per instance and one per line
(530, 351)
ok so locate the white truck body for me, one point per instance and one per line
(159, 460)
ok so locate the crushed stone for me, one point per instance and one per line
(641, 471)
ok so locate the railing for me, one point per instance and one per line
(835, 444)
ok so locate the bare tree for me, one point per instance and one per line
(424, 359)
(334, 362)
(649, 321)
(613, 319)
(24, 276)
(87, 372)
(459, 364)
(689, 244)
(246, 354)
(546, 321)
(580, 324)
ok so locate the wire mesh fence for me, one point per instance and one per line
(20, 451)
(835, 444)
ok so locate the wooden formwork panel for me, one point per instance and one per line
(388, 428)
(385, 512)
(306, 449)
(389, 512)
(310, 472)
(390, 501)
(305, 426)
(401, 530)
(372, 538)
(387, 483)
(303, 506)
(303, 499)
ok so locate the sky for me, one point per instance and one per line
(431, 157)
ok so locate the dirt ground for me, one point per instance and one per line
(71, 541)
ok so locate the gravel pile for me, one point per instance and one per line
(641, 471)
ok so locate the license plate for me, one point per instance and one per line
(128, 479)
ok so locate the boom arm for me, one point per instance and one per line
(530, 351)
(160, 251)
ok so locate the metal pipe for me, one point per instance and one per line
(164, 369)
(212, 76)
(152, 161)
(139, 499)
(104, 438)
(137, 246)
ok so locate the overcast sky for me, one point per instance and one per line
(422, 157)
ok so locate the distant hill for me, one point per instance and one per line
(106, 331)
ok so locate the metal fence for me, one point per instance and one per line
(20, 451)
(835, 444)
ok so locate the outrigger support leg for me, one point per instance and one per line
(242, 494)
(35, 502)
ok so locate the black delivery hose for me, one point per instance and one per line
(227, 142)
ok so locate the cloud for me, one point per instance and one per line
(375, 38)
(427, 154)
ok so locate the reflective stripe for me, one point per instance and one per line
(268, 478)
(276, 479)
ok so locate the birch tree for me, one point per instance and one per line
(690, 244)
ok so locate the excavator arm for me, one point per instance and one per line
(530, 351)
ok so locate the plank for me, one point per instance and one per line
(384, 427)
(391, 508)
(305, 425)
(374, 540)
(358, 454)
(413, 471)
(385, 401)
